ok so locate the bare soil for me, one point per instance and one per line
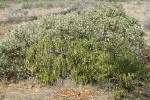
(141, 11)
(28, 90)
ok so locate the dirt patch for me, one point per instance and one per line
(6, 28)
(23, 92)
(138, 10)
(3, 13)
(69, 91)
(141, 11)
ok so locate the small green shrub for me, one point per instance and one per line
(26, 5)
(98, 45)
(13, 52)
(3, 5)
(92, 47)
(29, 5)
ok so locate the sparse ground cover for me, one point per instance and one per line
(29, 90)
(12, 17)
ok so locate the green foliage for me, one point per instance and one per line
(47, 4)
(98, 45)
(114, 0)
(48, 65)
(120, 94)
(89, 64)
(26, 5)
(92, 47)
(3, 5)
(29, 5)
(13, 52)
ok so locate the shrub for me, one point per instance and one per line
(29, 5)
(26, 5)
(92, 47)
(3, 5)
(13, 52)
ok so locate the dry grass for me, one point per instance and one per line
(13, 16)
(29, 90)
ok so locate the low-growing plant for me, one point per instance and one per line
(13, 52)
(92, 47)
(38, 4)
(26, 5)
(3, 5)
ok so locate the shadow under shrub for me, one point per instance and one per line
(92, 47)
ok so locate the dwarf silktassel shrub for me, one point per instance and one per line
(92, 47)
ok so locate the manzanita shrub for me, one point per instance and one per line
(92, 47)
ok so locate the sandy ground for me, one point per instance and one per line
(28, 90)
